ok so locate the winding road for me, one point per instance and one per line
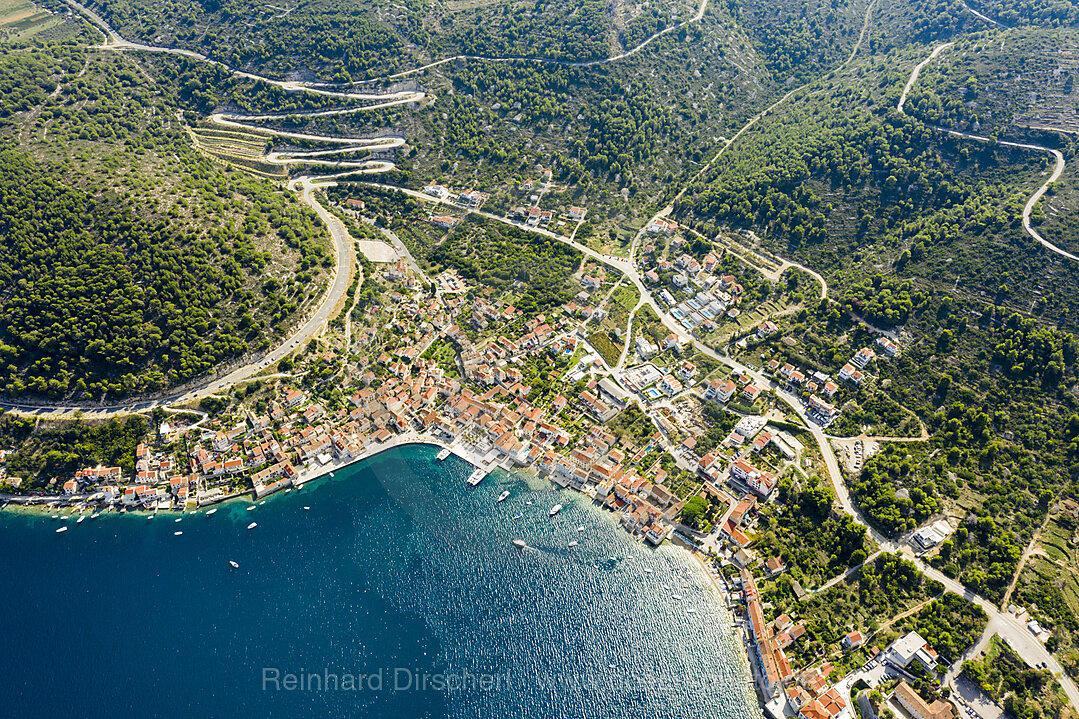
(999, 622)
(1058, 170)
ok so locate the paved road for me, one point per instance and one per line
(1058, 169)
(311, 328)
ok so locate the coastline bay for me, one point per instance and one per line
(398, 571)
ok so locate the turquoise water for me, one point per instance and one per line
(399, 576)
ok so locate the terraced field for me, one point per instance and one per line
(1050, 585)
(243, 149)
(20, 20)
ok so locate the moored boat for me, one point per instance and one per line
(502, 497)
(61, 529)
(208, 513)
(554, 510)
(252, 525)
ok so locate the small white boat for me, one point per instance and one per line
(529, 502)
(518, 515)
(81, 519)
(676, 597)
(250, 508)
(177, 534)
(94, 515)
(502, 497)
(580, 528)
(306, 508)
(288, 490)
(252, 525)
(178, 519)
(56, 516)
(61, 529)
(648, 569)
(554, 510)
(443, 454)
(614, 559)
(519, 543)
(150, 516)
(211, 511)
(476, 477)
(234, 564)
(331, 475)
(691, 611)
(262, 502)
(573, 543)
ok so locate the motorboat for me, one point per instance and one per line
(234, 564)
(208, 513)
(518, 515)
(177, 534)
(554, 510)
(573, 543)
(306, 508)
(252, 525)
(250, 508)
(519, 543)
(61, 529)
(502, 497)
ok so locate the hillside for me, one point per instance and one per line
(130, 262)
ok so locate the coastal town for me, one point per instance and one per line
(465, 371)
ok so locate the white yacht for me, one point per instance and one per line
(476, 477)
(177, 534)
(573, 543)
(252, 525)
(443, 454)
(211, 511)
(234, 564)
(554, 510)
(250, 508)
(502, 497)
(61, 529)
(81, 519)
(519, 543)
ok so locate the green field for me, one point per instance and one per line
(20, 20)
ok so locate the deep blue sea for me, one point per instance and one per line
(400, 585)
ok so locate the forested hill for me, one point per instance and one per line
(98, 298)
(128, 262)
(342, 40)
